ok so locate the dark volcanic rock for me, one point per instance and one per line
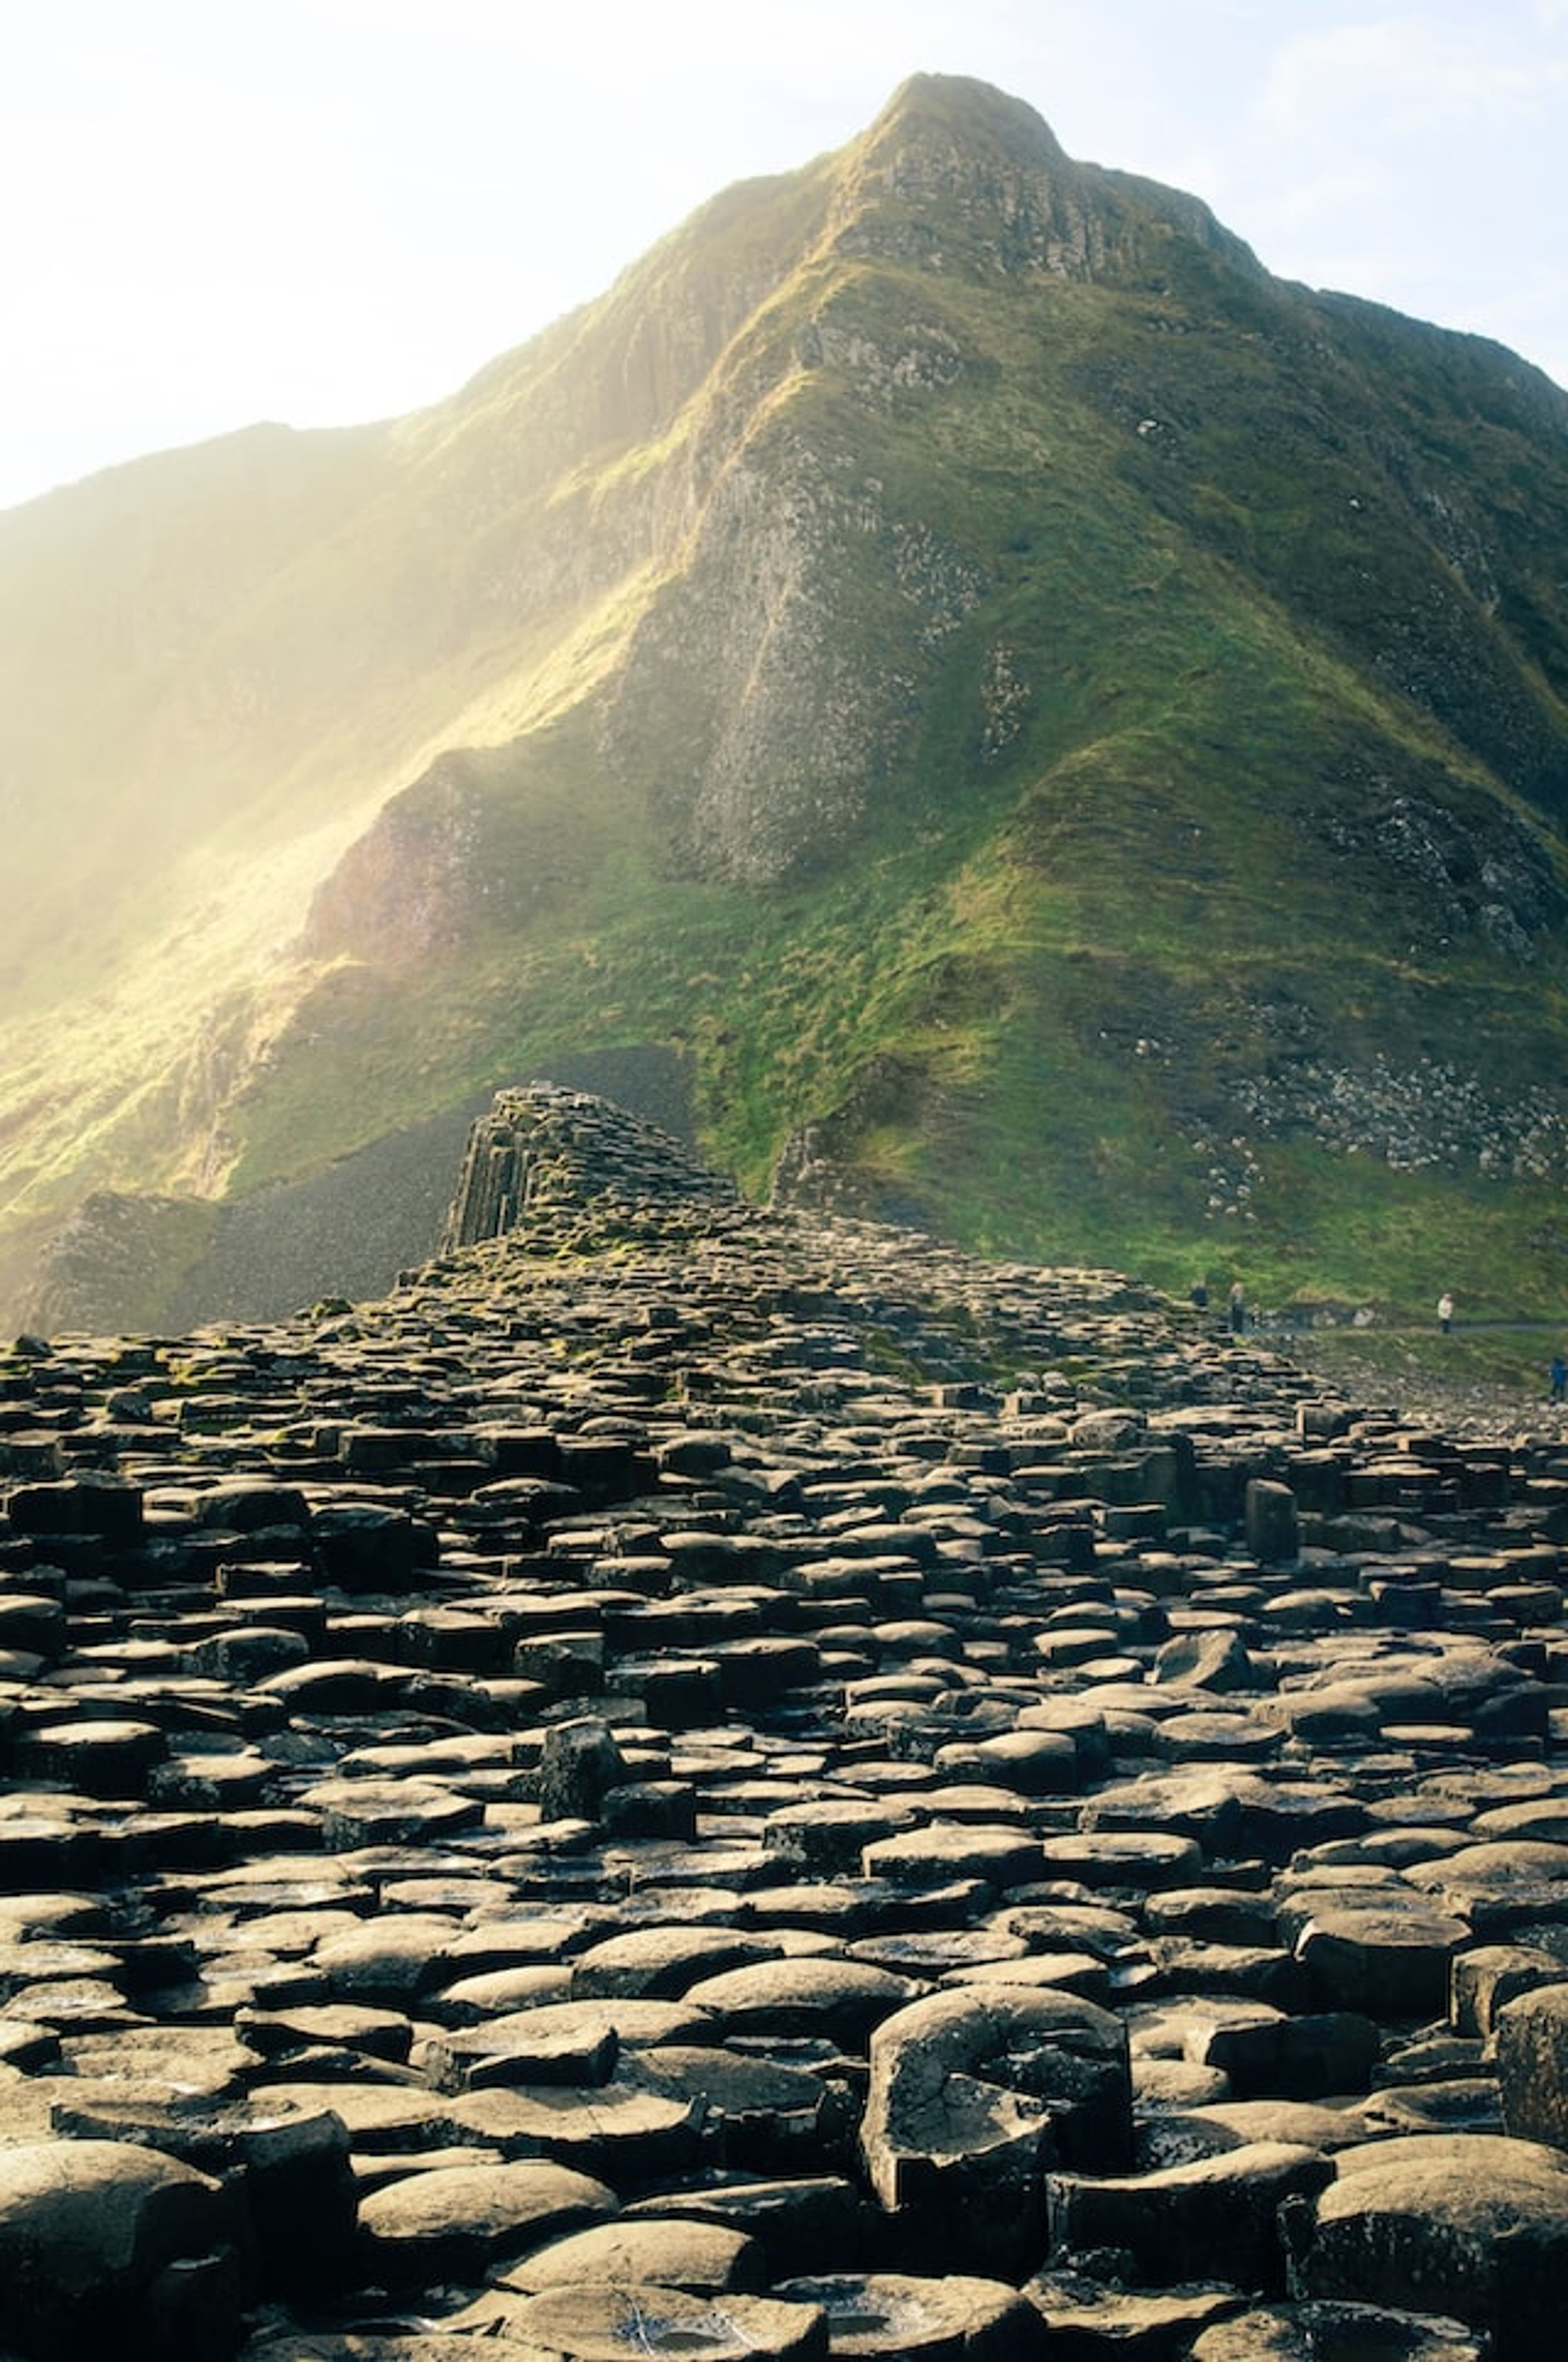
(546, 1150)
(769, 1729)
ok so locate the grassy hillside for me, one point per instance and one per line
(1064, 734)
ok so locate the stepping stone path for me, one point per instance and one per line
(714, 1781)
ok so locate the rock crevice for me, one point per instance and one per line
(742, 1779)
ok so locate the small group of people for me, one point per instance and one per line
(1239, 1320)
(1556, 1369)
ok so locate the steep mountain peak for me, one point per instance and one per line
(1060, 735)
(956, 175)
(941, 109)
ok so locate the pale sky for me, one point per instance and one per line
(328, 211)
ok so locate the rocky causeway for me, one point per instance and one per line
(723, 1781)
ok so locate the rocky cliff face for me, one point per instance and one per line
(540, 1153)
(959, 178)
(1031, 713)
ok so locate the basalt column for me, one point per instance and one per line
(544, 1146)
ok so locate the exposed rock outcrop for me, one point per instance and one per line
(704, 1779)
(934, 599)
(546, 1151)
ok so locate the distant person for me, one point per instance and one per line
(1558, 1373)
(1238, 1309)
(1445, 1313)
(1198, 1297)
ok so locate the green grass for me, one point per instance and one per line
(1224, 536)
(1410, 1357)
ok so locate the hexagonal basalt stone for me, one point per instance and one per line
(701, 2258)
(108, 2247)
(904, 2317)
(1530, 2041)
(630, 2324)
(457, 2222)
(1474, 2229)
(107, 1757)
(824, 1836)
(1314, 2332)
(662, 1963)
(356, 1812)
(972, 2091)
(1002, 1857)
(1388, 1957)
(1214, 2219)
(840, 2000)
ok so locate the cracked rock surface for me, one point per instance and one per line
(708, 1781)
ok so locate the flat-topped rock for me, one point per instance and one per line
(460, 2221)
(813, 1737)
(106, 2246)
(1474, 2230)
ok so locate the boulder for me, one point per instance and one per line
(578, 1763)
(461, 2222)
(107, 2247)
(839, 2000)
(1475, 2229)
(1338, 2332)
(905, 2317)
(704, 2258)
(974, 2092)
(633, 2324)
(1216, 2218)
(1530, 2047)
(1386, 1957)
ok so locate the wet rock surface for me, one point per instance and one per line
(708, 1781)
